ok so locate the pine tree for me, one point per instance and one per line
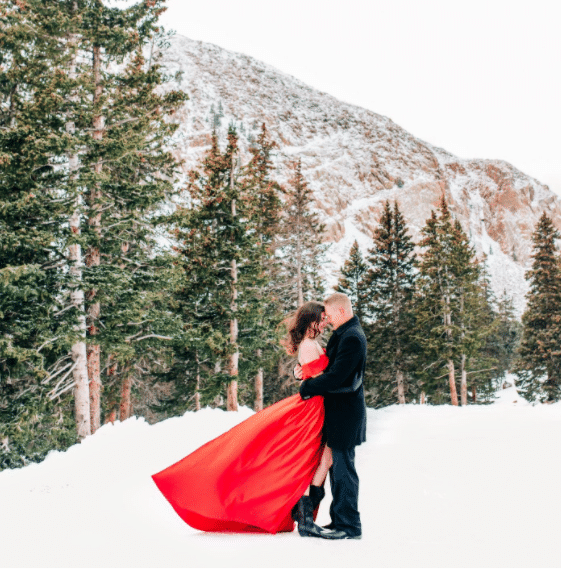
(300, 243)
(475, 316)
(130, 174)
(506, 336)
(351, 281)
(217, 237)
(95, 154)
(261, 195)
(36, 194)
(388, 292)
(454, 313)
(438, 331)
(538, 362)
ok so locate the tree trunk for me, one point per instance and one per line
(93, 259)
(452, 381)
(258, 405)
(232, 400)
(399, 373)
(94, 373)
(198, 394)
(474, 394)
(232, 396)
(463, 372)
(125, 408)
(299, 285)
(112, 417)
(400, 387)
(113, 405)
(463, 384)
(78, 350)
(198, 386)
(451, 374)
(422, 397)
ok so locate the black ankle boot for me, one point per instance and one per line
(305, 518)
(317, 494)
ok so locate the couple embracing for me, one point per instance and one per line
(269, 470)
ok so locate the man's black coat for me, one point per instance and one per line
(345, 413)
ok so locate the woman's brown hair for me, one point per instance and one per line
(307, 317)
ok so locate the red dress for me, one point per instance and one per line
(249, 478)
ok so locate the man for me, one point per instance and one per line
(345, 415)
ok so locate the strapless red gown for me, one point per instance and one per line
(249, 478)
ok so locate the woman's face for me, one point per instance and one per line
(323, 322)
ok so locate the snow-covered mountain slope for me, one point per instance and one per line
(440, 486)
(355, 159)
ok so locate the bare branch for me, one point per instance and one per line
(47, 379)
(63, 378)
(151, 336)
(47, 342)
(54, 396)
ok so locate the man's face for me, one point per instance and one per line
(332, 315)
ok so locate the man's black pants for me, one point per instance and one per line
(344, 487)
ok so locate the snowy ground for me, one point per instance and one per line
(440, 487)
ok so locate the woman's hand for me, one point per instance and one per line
(298, 371)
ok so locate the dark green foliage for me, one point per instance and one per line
(388, 289)
(33, 425)
(453, 312)
(436, 331)
(351, 281)
(213, 232)
(35, 195)
(506, 335)
(261, 195)
(121, 179)
(538, 362)
(481, 343)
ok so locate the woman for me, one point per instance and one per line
(257, 475)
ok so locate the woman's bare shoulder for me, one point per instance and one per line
(309, 351)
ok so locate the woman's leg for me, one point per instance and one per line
(323, 468)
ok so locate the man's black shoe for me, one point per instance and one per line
(339, 534)
(312, 530)
(329, 526)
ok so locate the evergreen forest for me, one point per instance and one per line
(126, 289)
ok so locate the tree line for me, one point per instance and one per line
(113, 302)
(436, 333)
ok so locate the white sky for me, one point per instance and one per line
(478, 78)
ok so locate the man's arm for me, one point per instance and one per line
(349, 354)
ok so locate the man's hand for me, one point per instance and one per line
(298, 371)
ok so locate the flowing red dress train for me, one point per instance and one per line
(249, 478)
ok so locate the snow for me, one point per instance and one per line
(440, 486)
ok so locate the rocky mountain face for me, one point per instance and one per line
(354, 160)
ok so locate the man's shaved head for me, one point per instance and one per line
(338, 299)
(338, 309)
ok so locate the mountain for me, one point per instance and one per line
(355, 159)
